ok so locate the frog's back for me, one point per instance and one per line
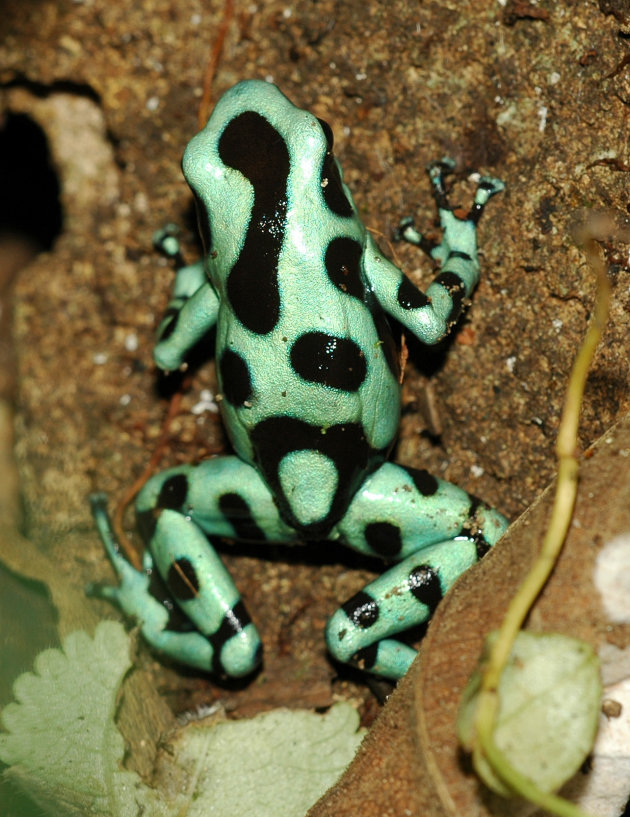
(307, 366)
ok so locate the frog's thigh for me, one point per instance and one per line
(224, 496)
(203, 589)
(399, 511)
(406, 595)
(177, 510)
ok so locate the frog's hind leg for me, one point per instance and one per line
(405, 596)
(176, 510)
(225, 642)
(435, 531)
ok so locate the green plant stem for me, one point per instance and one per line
(566, 490)
(521, 785)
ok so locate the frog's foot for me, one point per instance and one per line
(225, 642)
(190, 315)
(134, 584)
(192, 310)
(457, 252)
(360, 632)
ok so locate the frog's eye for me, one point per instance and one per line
(332, 187)
(203, 221)
(327, 133)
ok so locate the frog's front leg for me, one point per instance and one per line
(191, 313)
(435, 531)
(431, 315)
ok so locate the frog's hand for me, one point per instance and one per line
(430, 316)
(191, 313)
(226, 642)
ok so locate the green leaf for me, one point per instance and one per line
(277, 764)
(549, 710)
(63, 748)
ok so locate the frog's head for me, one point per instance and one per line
(258, 156)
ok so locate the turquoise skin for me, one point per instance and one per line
(309, 375)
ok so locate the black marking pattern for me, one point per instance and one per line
(329, 360)
(328, 133)
(345, 444)
(409, 296)
(362, 610)
(178, 621)
(332, 187)
(182, 580)
(173, 492)
(384, 539)
(251, 145)
(454, 285)
(366, 657)
(471, 529)
(204, 225)
(234, 621)
(343, 266)
(236, 381)
(425, 482)
(146, 522)
(389, 346)
(424, 584)
(172, 495)
(238, 513)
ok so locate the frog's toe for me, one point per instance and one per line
(97, 590)
(242, 654)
